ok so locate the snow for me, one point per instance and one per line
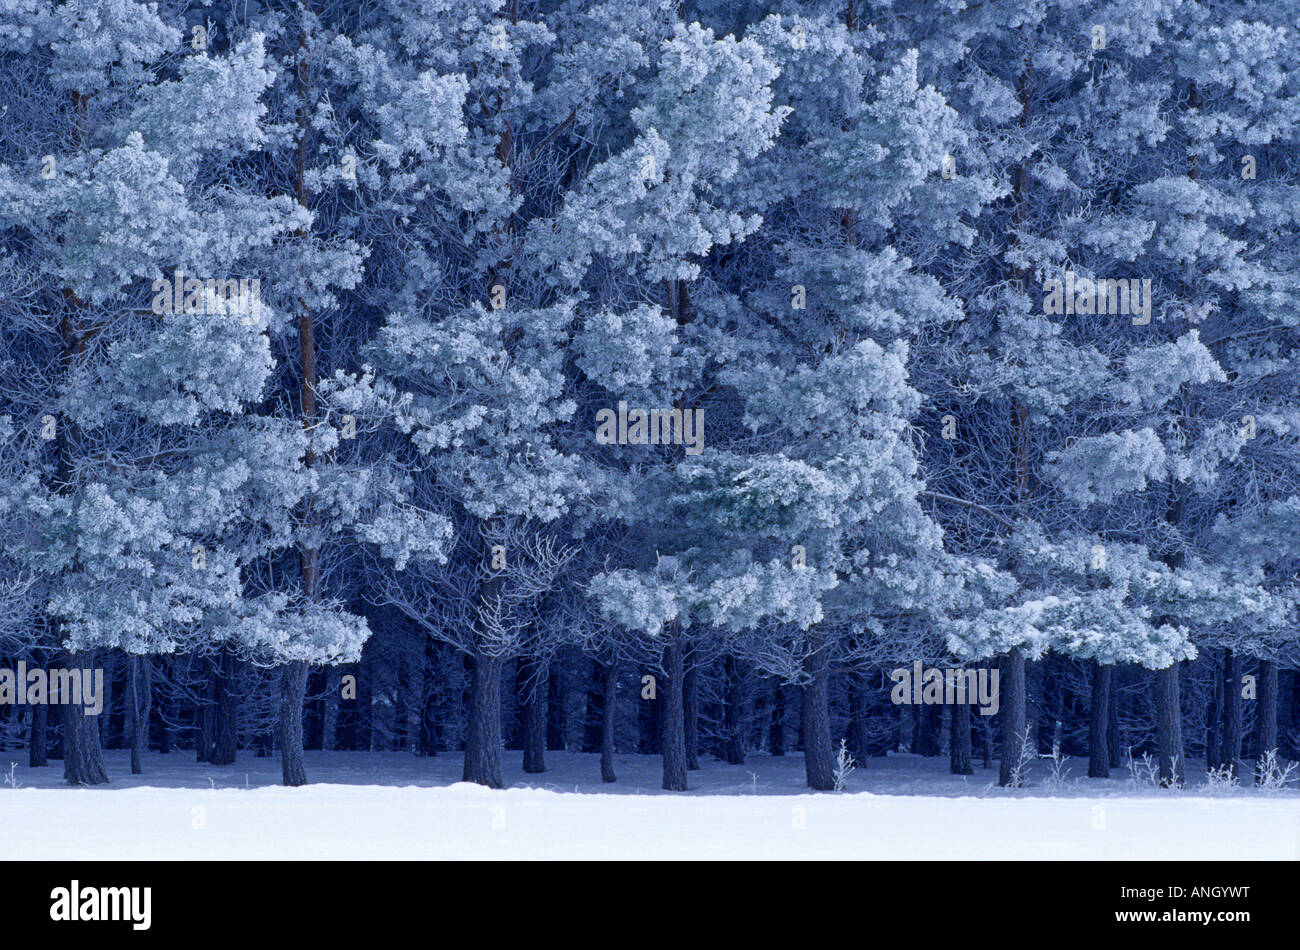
(397, 806)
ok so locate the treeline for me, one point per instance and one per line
(401, 698)
(497, 343)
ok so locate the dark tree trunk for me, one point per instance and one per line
(858, 740)
(401, 714)
(112, 722)
(164, 712)
(293, 678)
(1043, 702)
(959, 757)
(1012, 733)
(512, 738)
(673, 741)
(225, 722)
(776, 727)
(986, 730)
(1214, 715)
(293, 689)
(649, 720)
(313, 726)
(1099, 721)
(83, 762)
(1112, 718)
(428, 704)
(1232, 711)
(556, 733)
(164, 731)
(1266, 715)
(1292, 735)
(140, 699)
(39, 740)
(1169, 726)
(365, 710)
(534, 680)
(609, 683)
(205, 712)
(330, 727)
(593, 721)
(818, 757)
(483, 737)
(691, 708)
(930, 734)
(734, 713)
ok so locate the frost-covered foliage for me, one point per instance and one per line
(802, 251)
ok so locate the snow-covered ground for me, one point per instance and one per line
(391, 805)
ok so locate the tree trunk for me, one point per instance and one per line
(556, 731)
(649, 720)
(734, 713)
(165, 713)
(225, 713)
(1232, 712)
(204, 713)
(483, 739)
(1099, 721)
(609, 683)
(1266, 716)
(930, 735)
(592, 721)
(39, 740)
(776, 727)
(673, 715)
(293, 681)
(83, 762)
(1214, 715)
(11, 717)
(858, 740)
(112, 721)
(1043, 702)
(1169, 726)
(1112, 718)
(818, 757)
(959, 751)
(1290, 688)
(140, 698)
(330, 727)
(532, 714)
(691, 708)
(428, 704)
(401, 715)
(293, 689)
(1012, 685)
(1012, 733)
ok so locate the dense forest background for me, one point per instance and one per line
(986, 314)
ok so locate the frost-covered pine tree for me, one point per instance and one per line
(350, 113)
(799, 524)
(1068, 370)
(634, 235)
(129, 430)
(469, 361)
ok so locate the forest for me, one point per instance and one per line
(487, 378)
